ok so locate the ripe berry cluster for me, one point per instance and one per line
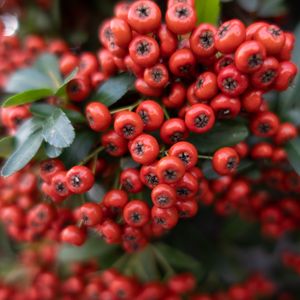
(189, 77)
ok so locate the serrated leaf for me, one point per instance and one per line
(6, 146)
(26, 129)
(293, 150)
(43, 110)
(80, 148)
(48, 64)
(51, 151)
(223, 134)
(208, 11)
(58, 130)
(114, 89)
(23, 155)
(28, 96)
(27, 79)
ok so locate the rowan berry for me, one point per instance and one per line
(98, 116)
(80, 179)
(206, 86)
(73, 235)
(170, 169)
(115, 145)
(225, 161)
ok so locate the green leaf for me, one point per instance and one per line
(27, 79)
(27, 97)
(51, 151)
(6, 146)
(26, 129)
(58, 130)
(114, 89)
(208, 11)
(80, 148)
(223, 134)
(288, 100)
(43, 110)
(61, 91)
(94, 247)
(23, 155)
(293, 150)
(48, 64)
(181, 261)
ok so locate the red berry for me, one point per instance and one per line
(225, 161)
(80, 179)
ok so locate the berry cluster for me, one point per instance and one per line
(41, 279)
(189, 77)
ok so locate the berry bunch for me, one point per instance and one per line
(189, 77)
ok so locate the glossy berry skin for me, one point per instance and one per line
(206, 86)
(170, 169)
(121, 32)
(144, 51)
(73, 235)
(78, 88)
(223, 62)
(182, 63)
(266, 75)
(186, 152)
(174, 2)
(200, 118)
(163, 196)
(68, 63)
(144, 149)
(176, 96)
(225, 107)
(272, 37)
(249, 56)
(167, 41)
(232, 82)
(264, 124)
(253, 28)
(98, 116)
(144, 16)
(173, 131)
(202, 40)
(114, 144)
(157, 76)
(286, 131)
(287, 71)
(130, 180)
(59, 184)
(151, 114)
(109, 231)
(225, 161)
(136, 213)
(186, 187)
(229, 36)
(288, 47)
(262, 150)
(181, 18)
(149, 175)
(91, 214)
(115, 199)
(143, 88)
(252, 100)
(128, 124)
(79, 179)
(50, 167)
(167, 218)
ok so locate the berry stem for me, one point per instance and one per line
(205, 157)
(162, 261)
(129, 107)
(166, 113)
(92, 155)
